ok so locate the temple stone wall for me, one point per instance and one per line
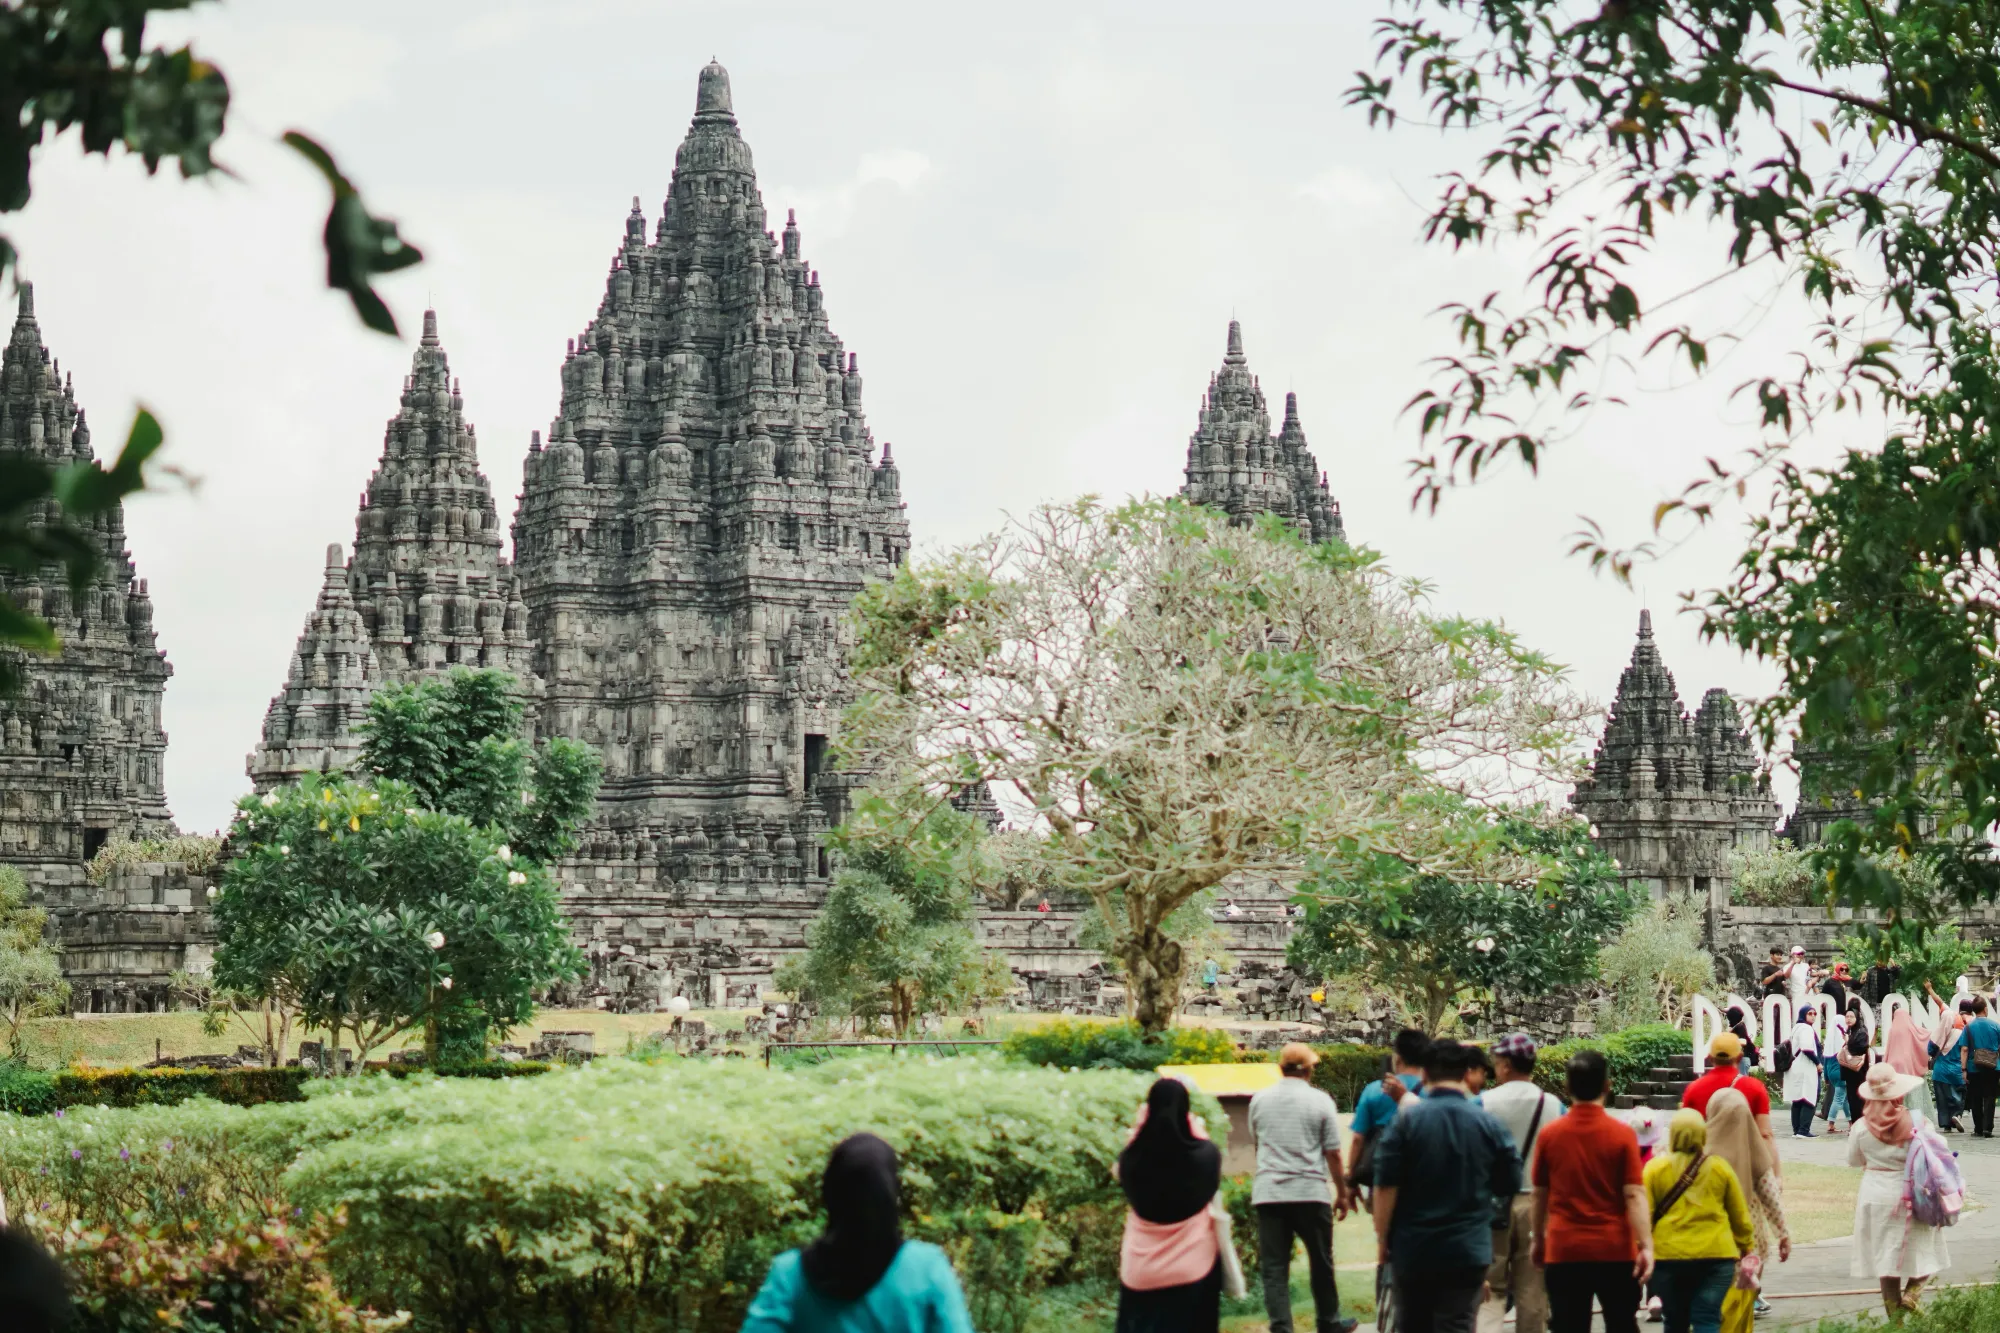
(122, 941)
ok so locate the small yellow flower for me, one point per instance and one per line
(1319, 997)
(322, 826)
(354, 823)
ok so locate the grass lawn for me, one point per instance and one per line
(114, 1040)
(1819, 1201)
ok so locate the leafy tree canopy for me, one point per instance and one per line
(1431, 941)
(896, 937)
(365, 911)
(31, 980)
(1847, 151)
(456, 740)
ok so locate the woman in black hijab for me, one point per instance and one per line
(860, 1274)
(1169, 1267)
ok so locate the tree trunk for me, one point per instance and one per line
(431, 1041)
(1154, 965)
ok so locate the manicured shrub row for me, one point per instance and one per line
(26, 1091)
(1084, 1043)
(1632, 1054)
(620, 1195)
(1344, 1071)
(468, 1069)
(166, 1087)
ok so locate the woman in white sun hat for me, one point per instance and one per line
(1890, 1245)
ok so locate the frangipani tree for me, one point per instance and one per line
(1179, 700)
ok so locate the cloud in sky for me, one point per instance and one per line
(1032, 224)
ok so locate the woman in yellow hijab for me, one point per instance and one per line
(1701, 1227)
(1733, 1136)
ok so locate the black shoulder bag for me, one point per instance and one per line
(1503, 1209)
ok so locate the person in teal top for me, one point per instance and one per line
(860, 1276)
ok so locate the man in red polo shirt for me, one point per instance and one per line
(1593, 1225)
(1723, 1054)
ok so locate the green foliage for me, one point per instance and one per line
(31, 980)
(358, 244)
(1851, 153)
(250, 1273)
(1938, 956)
(1779, 876)
(1656, 965)
(1344, 1072)
(468, 1069)
(1430, 941)
(456, 740)
(620, 1195)
(1084, 1043)
(1973, 1308)
(42, 506)
(895, 937)
(365, 911)
(26, 1091)
(165, 1087)
(200, 853)
(1631, 1055)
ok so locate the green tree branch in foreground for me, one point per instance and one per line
(1849, 154)
(1432, 942)
(1178, 700)
(31, 979)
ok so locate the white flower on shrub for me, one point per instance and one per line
(516, 878)
(435, 939)
(1484, 944)
(212, 890)
(284, 850)
(527, 798)
(270, 799)
(446, 983)
(504, 852)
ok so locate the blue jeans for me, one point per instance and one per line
(1950, 1100)
(1691, 1292)
(1829, 1090)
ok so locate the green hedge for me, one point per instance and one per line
(639, 1197)
(25, 1091)
(1344, 1072)
(1631, 1054)
(165, 1087)
(467, 1069)
(1084, 1043)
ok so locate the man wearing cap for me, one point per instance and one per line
(1723, 1054)
(1798, 977)
(1297, 1129)
(1523, 1110)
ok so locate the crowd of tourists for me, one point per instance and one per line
(1487, 1195)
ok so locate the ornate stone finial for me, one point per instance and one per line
(1291, 411)
(430, 328)
(1235, 356)
(712, 92)
(1646, 624)
(27, 300)
(334, 558)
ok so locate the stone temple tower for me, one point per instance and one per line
(708, 503)
(1671, 796)
(1237, 465)
(427, 589)
(82, 749)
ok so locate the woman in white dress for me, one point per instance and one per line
(1890, 1245)
(1802, 1076)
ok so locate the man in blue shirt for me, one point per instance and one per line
(1982, 1066)
(1375, 1109)
(1442, 1170)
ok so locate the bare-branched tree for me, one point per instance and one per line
(1178, 700)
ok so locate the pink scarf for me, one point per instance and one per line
(1905, 1048)
(1889, 1121)
(1154, 1255)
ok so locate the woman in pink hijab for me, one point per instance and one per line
(1905, 1052)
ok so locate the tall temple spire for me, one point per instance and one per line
(82, 742)
(311, 726)
(1238, 466)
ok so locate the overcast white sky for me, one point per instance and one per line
(1033, 224)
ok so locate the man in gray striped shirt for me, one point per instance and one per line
(1297, 1129)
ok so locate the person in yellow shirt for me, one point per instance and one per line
(1701, 1227)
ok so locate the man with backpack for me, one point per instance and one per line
(1522, 1109)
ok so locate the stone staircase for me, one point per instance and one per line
(1661, 1088)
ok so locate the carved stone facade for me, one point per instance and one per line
(427, 588)
(82, 748)
(1670, 796)
(1237, 465)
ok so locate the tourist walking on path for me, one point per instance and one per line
(1853, 1060)
(860, 1276)
(1802, 1077)
(1523, 1110)
(1701, 1227)
(1733, 1136)
(1593, 1228)
(1444, 1172)
(1947, 1059)
(1833, 1041)
(1725, 1070)
(1982, 1066)
(1171, 1265)
(1297, 1130)
(1889, 1244)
